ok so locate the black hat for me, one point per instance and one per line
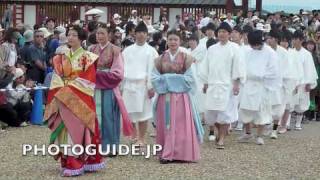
(193, 37)
(238, 29)
(285, 35)
(255, 38)
(274, 33)
(225, 26)
(211, 26)
(247, 29)
(141, 27)
(298, 34)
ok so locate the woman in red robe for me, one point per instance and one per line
(70, 111)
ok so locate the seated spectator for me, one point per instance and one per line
(19, 98)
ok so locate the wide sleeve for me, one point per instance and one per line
(238, 66)
(112, 78)
(310, 72)
(181, 83)
(86, 80)
(204, 68)
(158, 82)
(151, 67)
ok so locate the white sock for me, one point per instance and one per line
(240, 125)
(289, 120)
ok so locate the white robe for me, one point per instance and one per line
(289, 68)
(262, 78)
(203, 43)
(199, 54)
(307, 70)
(138, 65)
(276, 96)
(222, 65)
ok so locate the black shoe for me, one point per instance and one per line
(164, 161)
(318, 117)
(211, 133)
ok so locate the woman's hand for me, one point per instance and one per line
(236, 88)
(151, 93)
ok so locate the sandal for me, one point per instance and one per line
(220, 146)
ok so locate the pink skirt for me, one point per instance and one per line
(178, 136)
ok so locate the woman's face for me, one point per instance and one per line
(173, 42)
(102, 35)
(310, 47)
(73, 38)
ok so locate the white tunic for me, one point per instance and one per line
(138, 64)
(262, 78)
(289, 68)
(307, 70)
(222, 65)
(276, 96)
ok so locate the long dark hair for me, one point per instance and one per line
(82, 34)
(10, 34)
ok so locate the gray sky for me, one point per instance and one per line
(288, 5)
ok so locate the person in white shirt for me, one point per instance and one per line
(222, 72)
(210, 34)
(262, 77)
(308, 79)
(134, 17)
(198, 54)
(283, 90)
(137, 88)
(238, 36)
(230, 21)
(290, 81)
(205, 20)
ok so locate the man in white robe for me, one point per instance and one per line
(239, 36)
(262, 77)
(290, 80)
(278, 96)
(202, 47)
(308, 80)
(137, 88)
(198, 54)
(223, 70)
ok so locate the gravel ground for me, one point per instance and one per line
(295, 155)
